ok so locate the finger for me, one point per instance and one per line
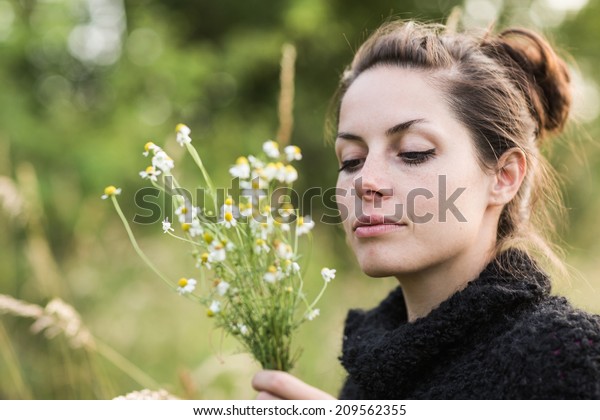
(286, 386)
(263, 395)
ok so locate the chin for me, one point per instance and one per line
(375, 268)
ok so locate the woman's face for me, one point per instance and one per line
(412, 194)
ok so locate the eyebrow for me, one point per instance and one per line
(403, 126)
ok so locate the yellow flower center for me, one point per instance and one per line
(279, 165)
(210, 313)
(182, 282)
(148, 146)
(241, 161)
(229, 201)
(289, 289)
(180, 127)
(260, 242)
(290, 169)
(272, 269)
(228, 216)
(300, 220)
(208, 238)
(150, 169)
(204, 257)
(110, 190)
(183, 210)
(186, 227)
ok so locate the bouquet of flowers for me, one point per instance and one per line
(248, 272)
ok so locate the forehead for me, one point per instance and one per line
(389, 92)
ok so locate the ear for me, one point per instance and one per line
(510, 172)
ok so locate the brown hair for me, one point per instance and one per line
(509, 90)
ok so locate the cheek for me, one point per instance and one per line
(463, 199)
(344, 202)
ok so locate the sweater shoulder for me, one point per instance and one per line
(556, 348)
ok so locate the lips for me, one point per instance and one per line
(365, 220)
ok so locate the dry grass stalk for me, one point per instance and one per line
(12, 306)
(60, 317)
(10, 197)
(147, 394)
(39, 252)
(55, 318)
(286, 94)
(453, 20)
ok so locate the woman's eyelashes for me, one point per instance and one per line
(410, 158)
(416, 158)
(350, 165)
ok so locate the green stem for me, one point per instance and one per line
(200, 165)
(136, 247)
(125, 365)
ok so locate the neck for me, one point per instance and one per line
(425, 290)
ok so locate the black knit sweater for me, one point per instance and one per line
(502, 337)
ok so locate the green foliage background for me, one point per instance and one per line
(85, 83)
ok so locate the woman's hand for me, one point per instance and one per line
(276, 385)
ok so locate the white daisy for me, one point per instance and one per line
(205, 260)
(269, 173)
(292, 153)
(289, 174)
(328, 274)
(255, 162)
(313, 314)
(272, 275)
(271, 149)
(291, 267)
(228, 220)
(243, 329)
(284, 251)
(261, 246)
(193, 229)
(151, 173)
(186, 213)
(150, 147)
(110, 191)
(241, 169)
(286, 211)
(246, 209)
(163, 161)
(217, 253)
(214, 308)
(183, 134)
(304, 225)
(284, 226)
(166, 225)
(186, 285)
(222, 288)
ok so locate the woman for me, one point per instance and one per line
(438, 139)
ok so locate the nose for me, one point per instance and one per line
(372, 182)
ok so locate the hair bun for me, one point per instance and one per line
(539, 73)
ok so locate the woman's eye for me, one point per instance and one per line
(416, 158)
(350, 165)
